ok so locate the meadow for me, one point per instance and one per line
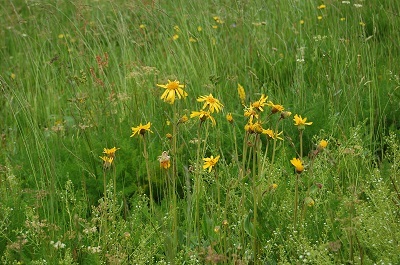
(200, 132)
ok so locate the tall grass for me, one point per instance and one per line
(77, 76)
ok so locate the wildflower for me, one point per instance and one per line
(172, 89)
(12, 75)
(322, 144)
(214, 26)
(210, 162)
(275, 107)
(177, 29)
(321, 7)
(300, 122)
(285, 114)
(229, 117)
(203, 115)
(297, 164)
(191, 39)
(218, 19)
(211, 102)
(110, 152)
(242, 94)
(60, 36)
(164, 160)
(309, 201)
(199, 28)
(141, 129)
(319, 17)
(256, 127)
(273, 186)
(225, 222)
(142, 26)
(58, 244)
(259, 104)
(272, 134)
(107, 161)
(169, 136)
(251, 113)
(183, 119)
(301, 22)
(217, 229)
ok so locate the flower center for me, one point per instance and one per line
(173, 86)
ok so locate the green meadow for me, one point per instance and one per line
(200, 132)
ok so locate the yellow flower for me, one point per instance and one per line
(172, 89)
(322, 144)
(183, 119)
(141, 129)
(300, 122)
(210, 102)
(203, 115)
(321, 7)
(242, 94)
(256, 127)
(297, 164)
(275, 107)
(259, 104)
(229, 117)
(142, 26)
(210, 162)
(319, 17)
(164, 160)
(272, 134)
(169, 136)
(218, 19)
(107, 161)
(12, 75)
(251, 113)
(110, 152)
(199, 28)
(301, 22)
(175, 37)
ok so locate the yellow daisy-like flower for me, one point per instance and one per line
(183, 119)
(272, 134)
(275, 107)
(322, 144)
(110, 152)
(242, 94)
(203, 115)
(210, 162)
(229, 117)
(321, 7)
(141, 129)
(107, 161)
(172, 89)
(164, 160)
(251, 113)
(212, 103)
(259, 104)
(300, 122)
(256, 127)
(297, 164)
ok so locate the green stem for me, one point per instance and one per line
(146, 158)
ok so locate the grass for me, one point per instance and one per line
(77, 76)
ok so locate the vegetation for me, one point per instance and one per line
(200, 132)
